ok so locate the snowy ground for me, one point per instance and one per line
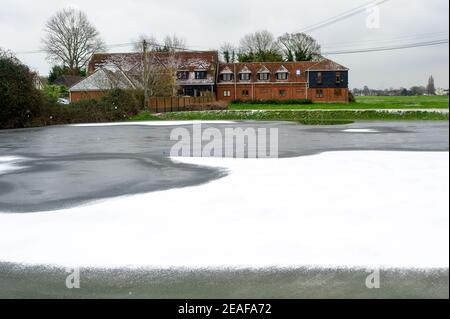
(336, 209)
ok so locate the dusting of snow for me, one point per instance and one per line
(103, 79)
(263, 69)
(360, 130)
(282, 69)
(245, 69)
(335, 209)
(10, 163)
(152, 123)
(226, 70)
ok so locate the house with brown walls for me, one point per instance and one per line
(196, 72)
(199, 73)
(320, 81)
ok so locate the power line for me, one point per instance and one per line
(342, 16)
(117, 45)
(390, 48)
(412, 37)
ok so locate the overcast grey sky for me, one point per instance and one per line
(206, 24)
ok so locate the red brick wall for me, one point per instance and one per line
(272, 92)
(329, 95)
(295, 87)
(76, 96)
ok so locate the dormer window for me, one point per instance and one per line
(282, 74)
(263, 74)
(245, 74)
(319, 78)
(183, 75)
(226, 75)
(201, 75)
(338, 77)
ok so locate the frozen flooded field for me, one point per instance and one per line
(339, 202)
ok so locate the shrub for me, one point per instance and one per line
(351, 97)
(116, 105)
(20, 101)
(119, 104)
(55, 91)
(274, 102)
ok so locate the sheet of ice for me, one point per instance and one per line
(360, 130)
(336, 209)
(152, 123)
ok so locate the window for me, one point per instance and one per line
(319, 78)
(337, 92)
(200, 75)
(182, 75)
(244, 76)
(319, 93)
(227, 93)
(227, 77)
(282, 76)
(338, 77)
(263, 76)
(282, 92)
(245, 93)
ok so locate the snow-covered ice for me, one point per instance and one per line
(334, 209)
(152, 123)
(360, 130)
(10, 163)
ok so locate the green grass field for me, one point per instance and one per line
(311, 117)
(362, 102)
(371, 108)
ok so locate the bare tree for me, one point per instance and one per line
(71, 39)
(259, 46)
(299, 47)
(174, 43)
(158, 71)
(149, 39)
(228, 53)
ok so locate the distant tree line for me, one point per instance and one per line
(428, 89)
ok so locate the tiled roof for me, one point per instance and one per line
(282, 69)
(104, 79)
(68, 80)
(226, 70)
(263, 69)
(188, 60)
(327, 65)
(245, 69)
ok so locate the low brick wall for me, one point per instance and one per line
(181, 104)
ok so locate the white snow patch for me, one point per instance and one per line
(9, 163)
(336, 209)
(153, 123)
(360, 130)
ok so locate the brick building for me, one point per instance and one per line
(199, 73)
(196, 72)
(324, 81)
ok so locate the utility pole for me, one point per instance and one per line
(145, 72)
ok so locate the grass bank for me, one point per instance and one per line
(301, 116)
(362, 102)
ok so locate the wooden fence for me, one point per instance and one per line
(175, 104)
